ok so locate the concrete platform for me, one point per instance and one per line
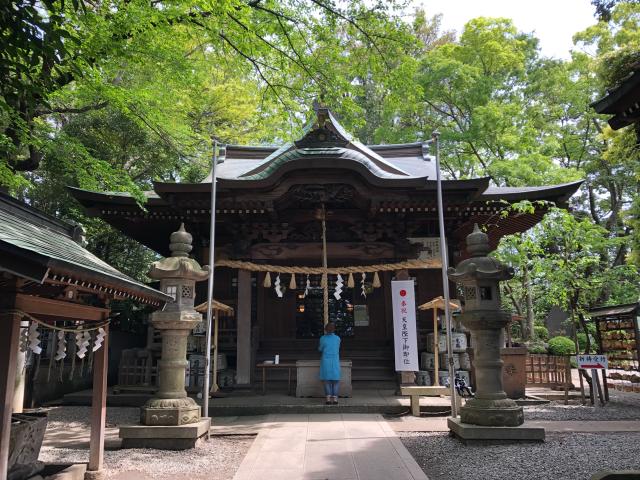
(248, 403)
(478, 433)
(178, 437)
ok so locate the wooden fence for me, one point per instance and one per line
(547, 371)
(137, 371)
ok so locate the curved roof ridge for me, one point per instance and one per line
(291, 155)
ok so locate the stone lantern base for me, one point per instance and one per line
(177, 437)
(481, 434)
(170, 412)
(492, 413)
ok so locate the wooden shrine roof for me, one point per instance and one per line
(439, 303)
(282, 185)
(327, 153)
(36, 246)
(623, 102)
(219, 306)
(614, 310)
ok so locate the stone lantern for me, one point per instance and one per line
(479, 277)
(171, 407)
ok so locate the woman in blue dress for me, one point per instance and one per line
(330, 363)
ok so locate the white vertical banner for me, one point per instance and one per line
(405, 339)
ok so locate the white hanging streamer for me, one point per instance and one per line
(62, 346)
(34, 341)
(363, 290)
(307, 286)
(97, 343)
(82, 342)
(24, 340)
(277, 286)
(338, 290)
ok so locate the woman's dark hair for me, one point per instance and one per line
(330, 327)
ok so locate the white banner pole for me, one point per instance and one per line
(212, 237)
(445, 280)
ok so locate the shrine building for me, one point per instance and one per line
(373, 205)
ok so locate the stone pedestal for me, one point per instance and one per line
(171, 405)
(180, 437)
(480, 434)
(490, 406)
(514, 375)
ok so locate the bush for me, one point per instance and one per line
(541, 332)
(561, 346)
(582, 342)
(536, 347)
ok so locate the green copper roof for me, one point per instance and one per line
(268, 168)
(46, 241)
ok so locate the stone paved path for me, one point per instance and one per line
(328, 447)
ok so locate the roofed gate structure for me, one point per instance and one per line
(380, 204)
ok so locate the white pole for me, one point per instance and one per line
(212, 237)
(445, 280)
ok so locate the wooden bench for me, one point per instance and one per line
(415, 392)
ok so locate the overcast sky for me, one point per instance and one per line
(553, 21)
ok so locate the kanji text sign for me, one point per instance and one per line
(404, 325)
(592, 361)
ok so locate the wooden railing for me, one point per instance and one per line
(547, 371)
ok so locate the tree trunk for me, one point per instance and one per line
(527, 331)
(583, 325)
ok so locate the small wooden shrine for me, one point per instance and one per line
(51, 283)
(369, 210)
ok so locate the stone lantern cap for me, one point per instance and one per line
(179, 265)
(479, 266)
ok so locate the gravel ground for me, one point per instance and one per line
(574, 456)
(80, 416)
(217, 459)
(622, 406)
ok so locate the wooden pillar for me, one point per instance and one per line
(243, 315)
(21, 374)
(9, 334)
(98, 411)
(436, 350)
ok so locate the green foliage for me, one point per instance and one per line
(112, 96)
(536, 347)
(516, 330)
(582, 342)
(541, 332)
(561, 346)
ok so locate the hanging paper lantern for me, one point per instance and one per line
(362, 286)
(277, 287)
(34, 340)
(62, 346)
(292, 283)
(97, 343)
(267, 281)
(307, 286)
(350, 281)
(338, 289)
(376, 281)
